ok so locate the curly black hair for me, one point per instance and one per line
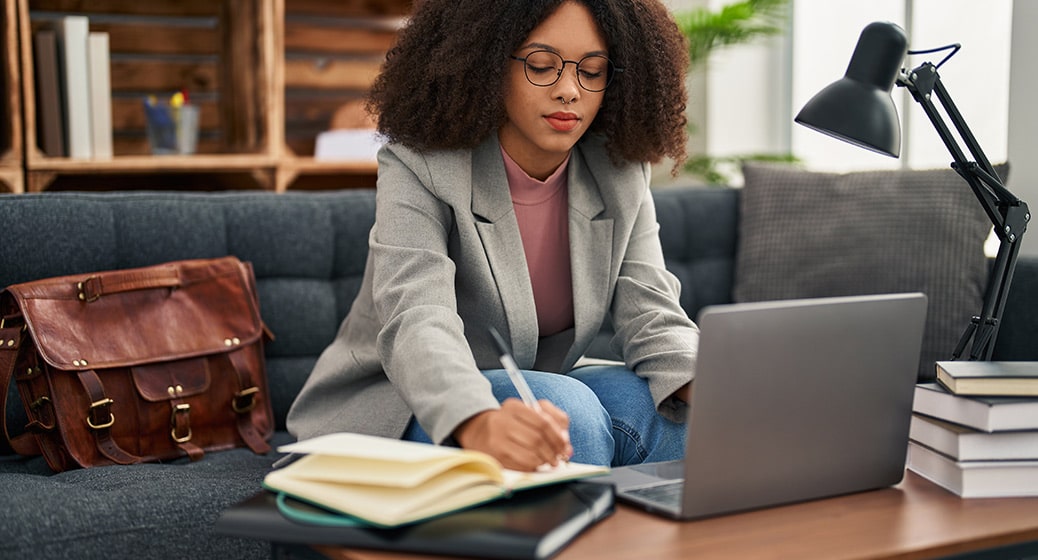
(442, 83)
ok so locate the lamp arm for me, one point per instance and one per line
(1007, 213)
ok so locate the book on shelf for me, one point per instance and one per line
(533, 524)
(988, 414)
(360, 144)
(74, 64)
(974, 479)
(962, 443)
(100, 94)
(386, 482)
(989, 378)
(49, 111)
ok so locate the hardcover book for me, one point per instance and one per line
(386, 482)
(963, 443)
(100, 95)
(49, 113)
(533, 524)
(74, 62)
(975, 479)
(989, 378)
(989, 414)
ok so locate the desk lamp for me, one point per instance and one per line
(859, 109)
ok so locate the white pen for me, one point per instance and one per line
(513, 371)
(520, 383)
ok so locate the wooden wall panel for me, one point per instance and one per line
(349, 8)
(334, 50)
(322, 74)
(301, 36)
(137, 7)
(146, 36)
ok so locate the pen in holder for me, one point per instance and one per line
(172, 126)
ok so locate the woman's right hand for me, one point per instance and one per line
(520, 437)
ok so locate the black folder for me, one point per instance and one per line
(531, 524)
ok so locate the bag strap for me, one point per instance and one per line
(100, 419)
(243, 403)
(246, 428)
(10, 342)
(113, 282)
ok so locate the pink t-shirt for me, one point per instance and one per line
(542, 210)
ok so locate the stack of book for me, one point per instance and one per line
(73, 89)
(975, 431)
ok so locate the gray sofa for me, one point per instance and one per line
(308, 251)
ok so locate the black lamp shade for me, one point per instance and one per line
(858, 108)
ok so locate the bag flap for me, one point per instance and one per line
(163, 381)
(124, 318)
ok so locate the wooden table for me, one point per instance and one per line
(915, 519)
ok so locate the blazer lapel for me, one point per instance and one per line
(499, 233)
(591, 252)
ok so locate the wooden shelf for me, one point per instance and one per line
(326, 167)
(267, 75)
(306, 173)
(133, 164)
(261, 167)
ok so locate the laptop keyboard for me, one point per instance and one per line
(668, 493)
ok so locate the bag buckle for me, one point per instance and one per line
(3, 323)
(94, 295)
(37, 409)
(251, 393)
(106, 424)
(186, 410)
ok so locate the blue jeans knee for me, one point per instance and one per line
(640, 433)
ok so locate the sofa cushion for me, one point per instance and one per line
(134, 511)
(697, 232)
(1019, 322)
(809, 234)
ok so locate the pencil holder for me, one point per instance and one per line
(171, 130)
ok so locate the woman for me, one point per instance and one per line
(514, 194)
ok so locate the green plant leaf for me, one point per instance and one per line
(735, 23)
(706, 30)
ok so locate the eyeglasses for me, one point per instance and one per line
(544, 68)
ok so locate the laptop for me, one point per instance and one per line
(793, 400)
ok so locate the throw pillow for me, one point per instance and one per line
(806, 234)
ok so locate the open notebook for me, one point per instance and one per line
(387, 482)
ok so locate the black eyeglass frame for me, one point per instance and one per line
(611, 69)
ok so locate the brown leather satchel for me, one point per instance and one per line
(137, 365)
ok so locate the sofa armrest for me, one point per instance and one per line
(1017, 334)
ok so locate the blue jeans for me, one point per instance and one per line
(612, 417)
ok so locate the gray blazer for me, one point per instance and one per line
(446, 261)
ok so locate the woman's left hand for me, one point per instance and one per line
(684, 393)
